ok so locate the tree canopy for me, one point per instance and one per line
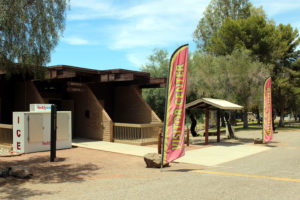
(157, 66)
(238, 47)
(29, 30)
(272, 44)
(253, 33)
(233, 77)
(214, 15)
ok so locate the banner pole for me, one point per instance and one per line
(53, 133)
(165, 116)
(263, 118)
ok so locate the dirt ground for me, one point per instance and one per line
(80, 164)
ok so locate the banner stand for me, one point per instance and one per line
(174, 119)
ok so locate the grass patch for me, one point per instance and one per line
(255, 126)
(251, 126)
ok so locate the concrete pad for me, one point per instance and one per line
(209, 156)
(215, 155)
(114, 147)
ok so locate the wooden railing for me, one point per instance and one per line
(139, 134)
(6, 137)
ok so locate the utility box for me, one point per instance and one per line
(31, 131)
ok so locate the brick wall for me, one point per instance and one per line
(104, 94)
(90, 118)
(130, 107)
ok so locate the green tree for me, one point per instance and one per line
(287, 89)
(157, 66)
(214, 15)
(29, 31)
(234, 77)
(272, 44)
(254, 33)
(286, 70)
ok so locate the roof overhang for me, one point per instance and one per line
(156, 83)
(98, 76)
(212, 104)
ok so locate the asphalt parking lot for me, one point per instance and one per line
(82, 173)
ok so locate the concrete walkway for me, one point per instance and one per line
(114, 147)
(209, 156)
(218, 154)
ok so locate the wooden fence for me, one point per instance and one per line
(138, 134)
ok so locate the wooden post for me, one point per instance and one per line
(187, 136)
(159, 142)
(218, 125)
(111, 138)
(206, 125)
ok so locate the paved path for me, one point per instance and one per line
(208, 156)
(215, 155)
(87, 174)
(114, 147)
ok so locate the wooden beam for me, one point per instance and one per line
(75, 84)
(73, 89)
(116, 77)
(104, 78)
(218, 125)
(111, 77)
(111, 139)
(206, 124)
(139, 125)
(187, 136)
(126, 77)
(159, 141)
(65, 74)
(6, 126)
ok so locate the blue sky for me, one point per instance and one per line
(109, 34)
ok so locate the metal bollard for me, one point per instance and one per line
(53, 133)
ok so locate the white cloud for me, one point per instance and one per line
(136, 59)
(142, 24)
(135, 25)
(73, 40)
(90, 9)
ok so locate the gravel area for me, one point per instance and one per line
(5, 151)
(81, 173)
(78, 164)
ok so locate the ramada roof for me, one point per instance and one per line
(213, 104)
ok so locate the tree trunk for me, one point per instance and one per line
(222, 119)
(258, 116)
(282, 102)
(233, 118)
(227, 118)
(281, 121)
(245, 119)
(193, 125)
